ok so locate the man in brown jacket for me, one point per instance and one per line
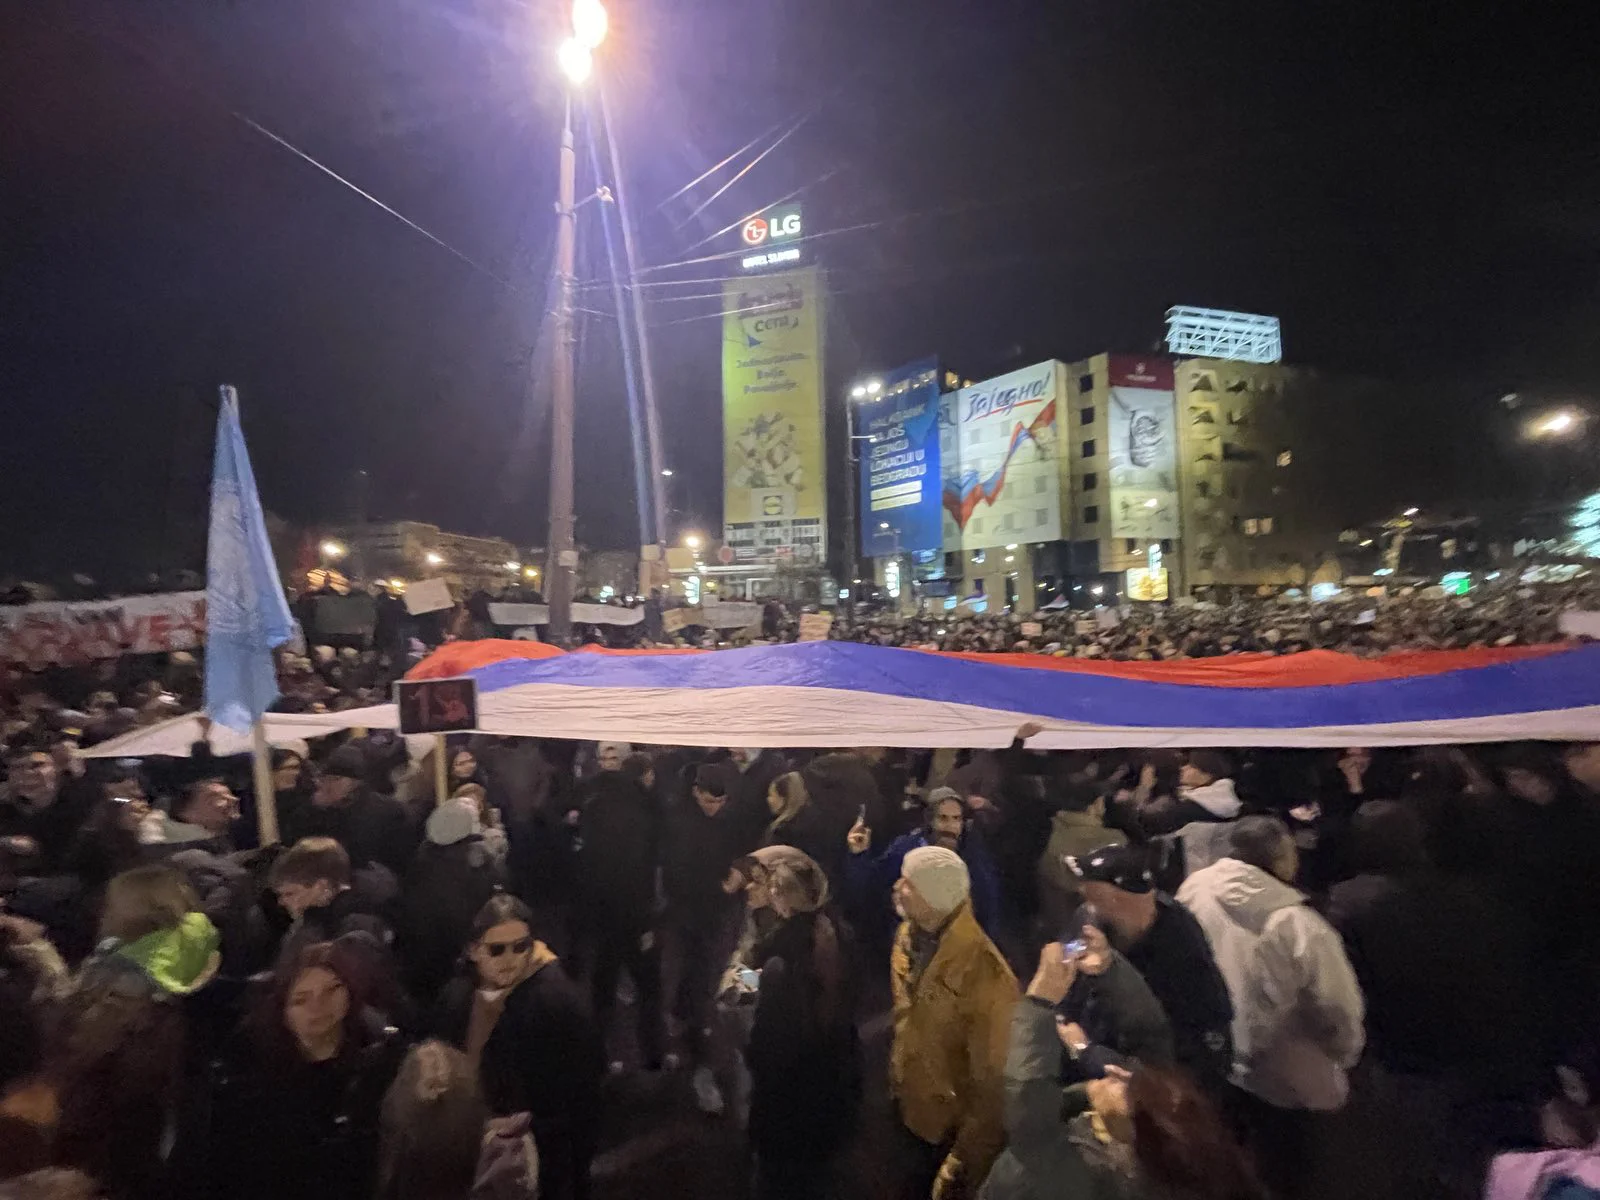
(953, 996)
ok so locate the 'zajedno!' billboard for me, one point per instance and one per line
(1001, 465)
(774, 498)
(901, 484)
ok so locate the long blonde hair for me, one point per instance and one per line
(145, 900)
(794, 797)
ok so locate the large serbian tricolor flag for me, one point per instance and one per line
(842, 694)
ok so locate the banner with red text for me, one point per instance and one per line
(73, 632)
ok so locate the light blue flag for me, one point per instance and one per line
(247, 613)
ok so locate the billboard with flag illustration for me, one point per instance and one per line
(1001, 465)
(901, 486)
(774, 493)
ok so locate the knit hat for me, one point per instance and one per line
(1126, 868)
(453, 821)
(180, 960)
(939, 876)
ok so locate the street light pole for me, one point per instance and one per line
(558, 567)
(589, 30)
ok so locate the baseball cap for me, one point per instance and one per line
(1125, 868)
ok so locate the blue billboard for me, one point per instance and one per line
(901, 485)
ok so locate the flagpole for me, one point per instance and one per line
(266, 793)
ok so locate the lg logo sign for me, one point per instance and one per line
(779, 227)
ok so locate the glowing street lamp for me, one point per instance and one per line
(575, 60)
(692, 541)
(435, 559)
(589, 22)
(1558, 424)
(331, 549)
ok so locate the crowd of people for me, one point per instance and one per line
(1224, 956)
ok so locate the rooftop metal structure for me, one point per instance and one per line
(1216, 333)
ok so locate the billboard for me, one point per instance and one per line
(1001, 459)
(901, 487)
(1141, 424)
(1147, 584)
(774, 497)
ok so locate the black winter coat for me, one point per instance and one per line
(298, 1130)
(442, 894)
(372, 828)
(621, 828)
(804, 1057)
(697, 853)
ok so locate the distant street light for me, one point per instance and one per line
(435, 559)
(692, 541)
(1411, 512)
(531, 572)
(332, 549)
(513, 567)
(666, 472)
(1558, 424)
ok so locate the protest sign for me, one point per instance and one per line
(675, 619)
(1031, 629)
(814, 627)
(730, 614)
(1580, 624)
(1107, 618)
(428, 595)
(345, 616)
(58, 633)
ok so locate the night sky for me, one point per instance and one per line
(1414, 188)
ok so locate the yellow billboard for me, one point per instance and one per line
(1147, 584)
(774, 493)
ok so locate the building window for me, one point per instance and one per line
(1266, 525)
(1090, 481)
(1088, 448)
(1131, 545)
(1091, 514)
(1085, 384)
(1086, 415)
(1039, 516)
(1251, 527)
(1202, 488)
(1285, 457)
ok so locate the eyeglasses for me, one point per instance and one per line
(496, 949)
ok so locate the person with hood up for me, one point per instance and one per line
(953, 995)
(946, 823)
(803, 1053)
(451, 879)
(1298, 1009)
(798, 822)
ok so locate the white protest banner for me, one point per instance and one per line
(814, 627)
(1031, 629)
(58, 633)
(1580, 624)
(582, 614)
(730, 614)
(428, 595)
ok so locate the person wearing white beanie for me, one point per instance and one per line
(953, 996)
(939, 877)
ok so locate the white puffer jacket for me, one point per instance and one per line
(1297, 1008)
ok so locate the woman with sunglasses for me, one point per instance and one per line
(525, 1027)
